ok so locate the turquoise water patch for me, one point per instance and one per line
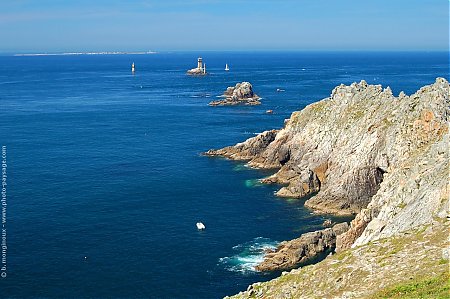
(248, 255)
(241, 167)
(252, 183)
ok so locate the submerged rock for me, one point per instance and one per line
(327, 223)
(241, 94)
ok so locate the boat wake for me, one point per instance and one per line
(248, 255)
(201, 95)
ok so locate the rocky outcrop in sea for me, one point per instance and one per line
(196, 72)
(365, 152)
(289, 254)
(241, 94)
(200, 70)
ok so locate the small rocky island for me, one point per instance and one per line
(200, 70)
(366, 152)
(241, 94)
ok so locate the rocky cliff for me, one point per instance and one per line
(343, 146)
(365, 152)
(241, 94)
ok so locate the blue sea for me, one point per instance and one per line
(106, 181)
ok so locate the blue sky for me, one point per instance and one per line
(141, 25)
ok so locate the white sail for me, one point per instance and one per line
(226, 67)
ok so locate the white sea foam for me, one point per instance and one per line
(252, 133)
(247, 255)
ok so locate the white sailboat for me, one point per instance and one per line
(200, 226)
(226, 67)
(132, 67)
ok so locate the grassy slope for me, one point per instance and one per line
(407, 266)
(437, 287)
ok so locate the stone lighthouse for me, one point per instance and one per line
(200, 69)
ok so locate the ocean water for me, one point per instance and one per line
(106, 180)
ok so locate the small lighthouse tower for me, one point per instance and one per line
(200, 70)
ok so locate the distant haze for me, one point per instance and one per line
(118, 25)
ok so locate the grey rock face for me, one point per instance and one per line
(415, 191)
(241, 94)
(414, 194)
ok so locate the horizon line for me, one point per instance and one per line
(143, 52)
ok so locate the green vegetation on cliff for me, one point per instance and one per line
(413, 264)
(437, 288)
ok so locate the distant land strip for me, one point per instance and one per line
(84, 53)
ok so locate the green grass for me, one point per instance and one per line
(402, 205)
(386, 122)
(318, 107)
(358, 114)
(436, 288)
(443, 261)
